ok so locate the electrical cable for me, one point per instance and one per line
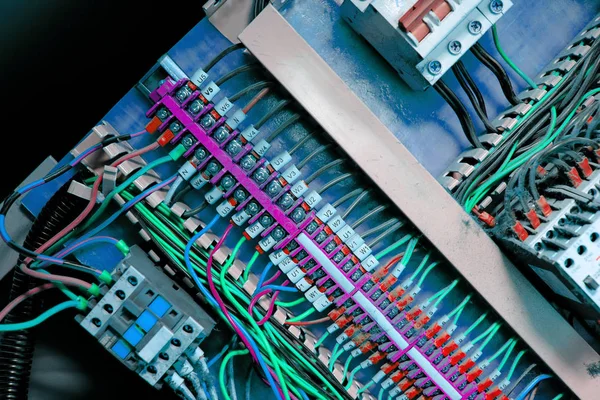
(278, 107)
(196, 210)
(355, 203)
(347, 197)
(255, 100)
(313, 154)
(460, 73)
(283, 126)
(507, 59)
(42, 317)
(323, 169)
(496, 68)
(300, 143)
(223, 54)
(233, 73)
(532, 385)
(335, 181)
(255, 86)
(368, 215)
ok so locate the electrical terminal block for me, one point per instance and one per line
(145, 320)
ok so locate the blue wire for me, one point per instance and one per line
(213, 302)
(217, 357)
(30, 186)
(532, 385)
(279, 288)
(304, 396)
(92, 241)
(126, 207)
(264, 274)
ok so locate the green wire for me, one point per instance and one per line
(459, 309)
(368, 385)
(321, 339)
(514, 364)
(560, 396)
(420, 267)
(490, 337)
(351, 377)
(501, 349)
(427, 271)
(249, 266)
(475, 324)
(392, 247)
(303, 315)
(446, 292)
(40, 318)
(226, 359)
(334, 355)
(290, 303)
(508, 353)
(510, 62)
(347, 366)
(409, 250)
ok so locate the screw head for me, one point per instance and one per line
(108, 308)
(187, 141)
(96, 322)
(496, 6)
(434, 67)
(455, 47)
(475, 27)
(176, 342)
(163, 356)
(120, 294)
(151, 369)
(132, 280)
(188, 329)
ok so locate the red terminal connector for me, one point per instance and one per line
(165, 138)
(351, 330)
(387, 283)
(422, 321)
(455, 358)
(584, 166)
(397, 292)
(443, 338)
(483, 386)
(397, 376)
(520, 231)
(544, 206)
(466, 366)
(153, 125)
(574, 177)
(449, 348)
(389, 367)
(484, 217)
(492, 394)
(335, 314)
(471, 376)
(412, 393)
(404, 301)
(414, 313)
(343, 321)
(360, 339)
(533, 218)
(376, 357)
(366, 347)
(434, 330)
(405, 384)
(541, 171)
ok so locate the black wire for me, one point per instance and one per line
(283, 126)
(193, 211)
(278, 107)
(255, 86)
(473, 86)
(461, 112)
(459, 73)
(347, 197)
(300, 143)
(323, 169)
(222, 54)
(496, 68)
(368, 215)
(355, 203)
(237, 71)
(313, 154)
(335, 181)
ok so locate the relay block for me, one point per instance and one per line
(145, 320)
(422, 39)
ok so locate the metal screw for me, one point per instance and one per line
(239, 195)
(187, 141)
(120, 294)
(152, 369)
(434, 67)
(132, 281)
(252, 208)
(455, 47)
(96, 322)
(200, 153)
(475, 27)
(227, 182)
(188, 329)
(496, 6)
(176, 342)
(108, 308)
(162, 113)
(163, 356)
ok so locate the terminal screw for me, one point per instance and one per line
(132, 280)
(455, 47)
(496, 6)
(188, 329)
(475, 27)
(434, 67)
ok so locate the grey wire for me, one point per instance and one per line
(347, 196)
(335, 181)
(185, 393)
(385, 233)
(197, 385)
(278, 107)
(323, 169)
(368, 215)
(237, 71)
(355, 203)
(254, 86)
(207, 379)
(300, 143)
(231, 381)
(193, 211)
(379, 227)
(284, 125)
(518, 381)
(249, 384)
(315, 152)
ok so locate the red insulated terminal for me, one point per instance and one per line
(574, 177)
(421, 321)
(541, 171)
(584, 166)
(406, 384)
(351, 330)
(412, 393)
(449, 348)
(397, 292)
(366, 347)
(360, 339)
(404, 301)
(520, 231)
(471, 376)
(492, 394)
(455, 358)
(387, 283)
(389, 367)
(166, 137)
(431, 332)
(335, 314)
(534, 220)
(380, 273)
(484, 217)
(466, 366)
(343, 321)
(483, 386)
(396, 377)
(598, 155)
(544, 206)
(153, 125)
(376, 357)
(504, 397)
(439, 342)
(414, 314)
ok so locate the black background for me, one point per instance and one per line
(64, 64)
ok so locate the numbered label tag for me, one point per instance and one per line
(303, 285)
(255, 229)
(291, 174)
(345, 233)
(210, 91)
(250, 133)
(313, 294)
(213, 195)
(336, 223)
(299, 189)
(267, 243)
(326, 213)
(312, 199)
(369, 263)
(277, 257)
(261, 147)
(199, 76)
(281, 160)
(223, 106)
(355, 241)
(322, 303)
(224, 208)
(240, 218)
(236, 119)
(198, 181)
(363, 252)
(287, 265)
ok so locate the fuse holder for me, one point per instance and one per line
(584, 166)
(152, 126)
(544, 206)
(520, 231)
(534, 220)
(574, 177)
